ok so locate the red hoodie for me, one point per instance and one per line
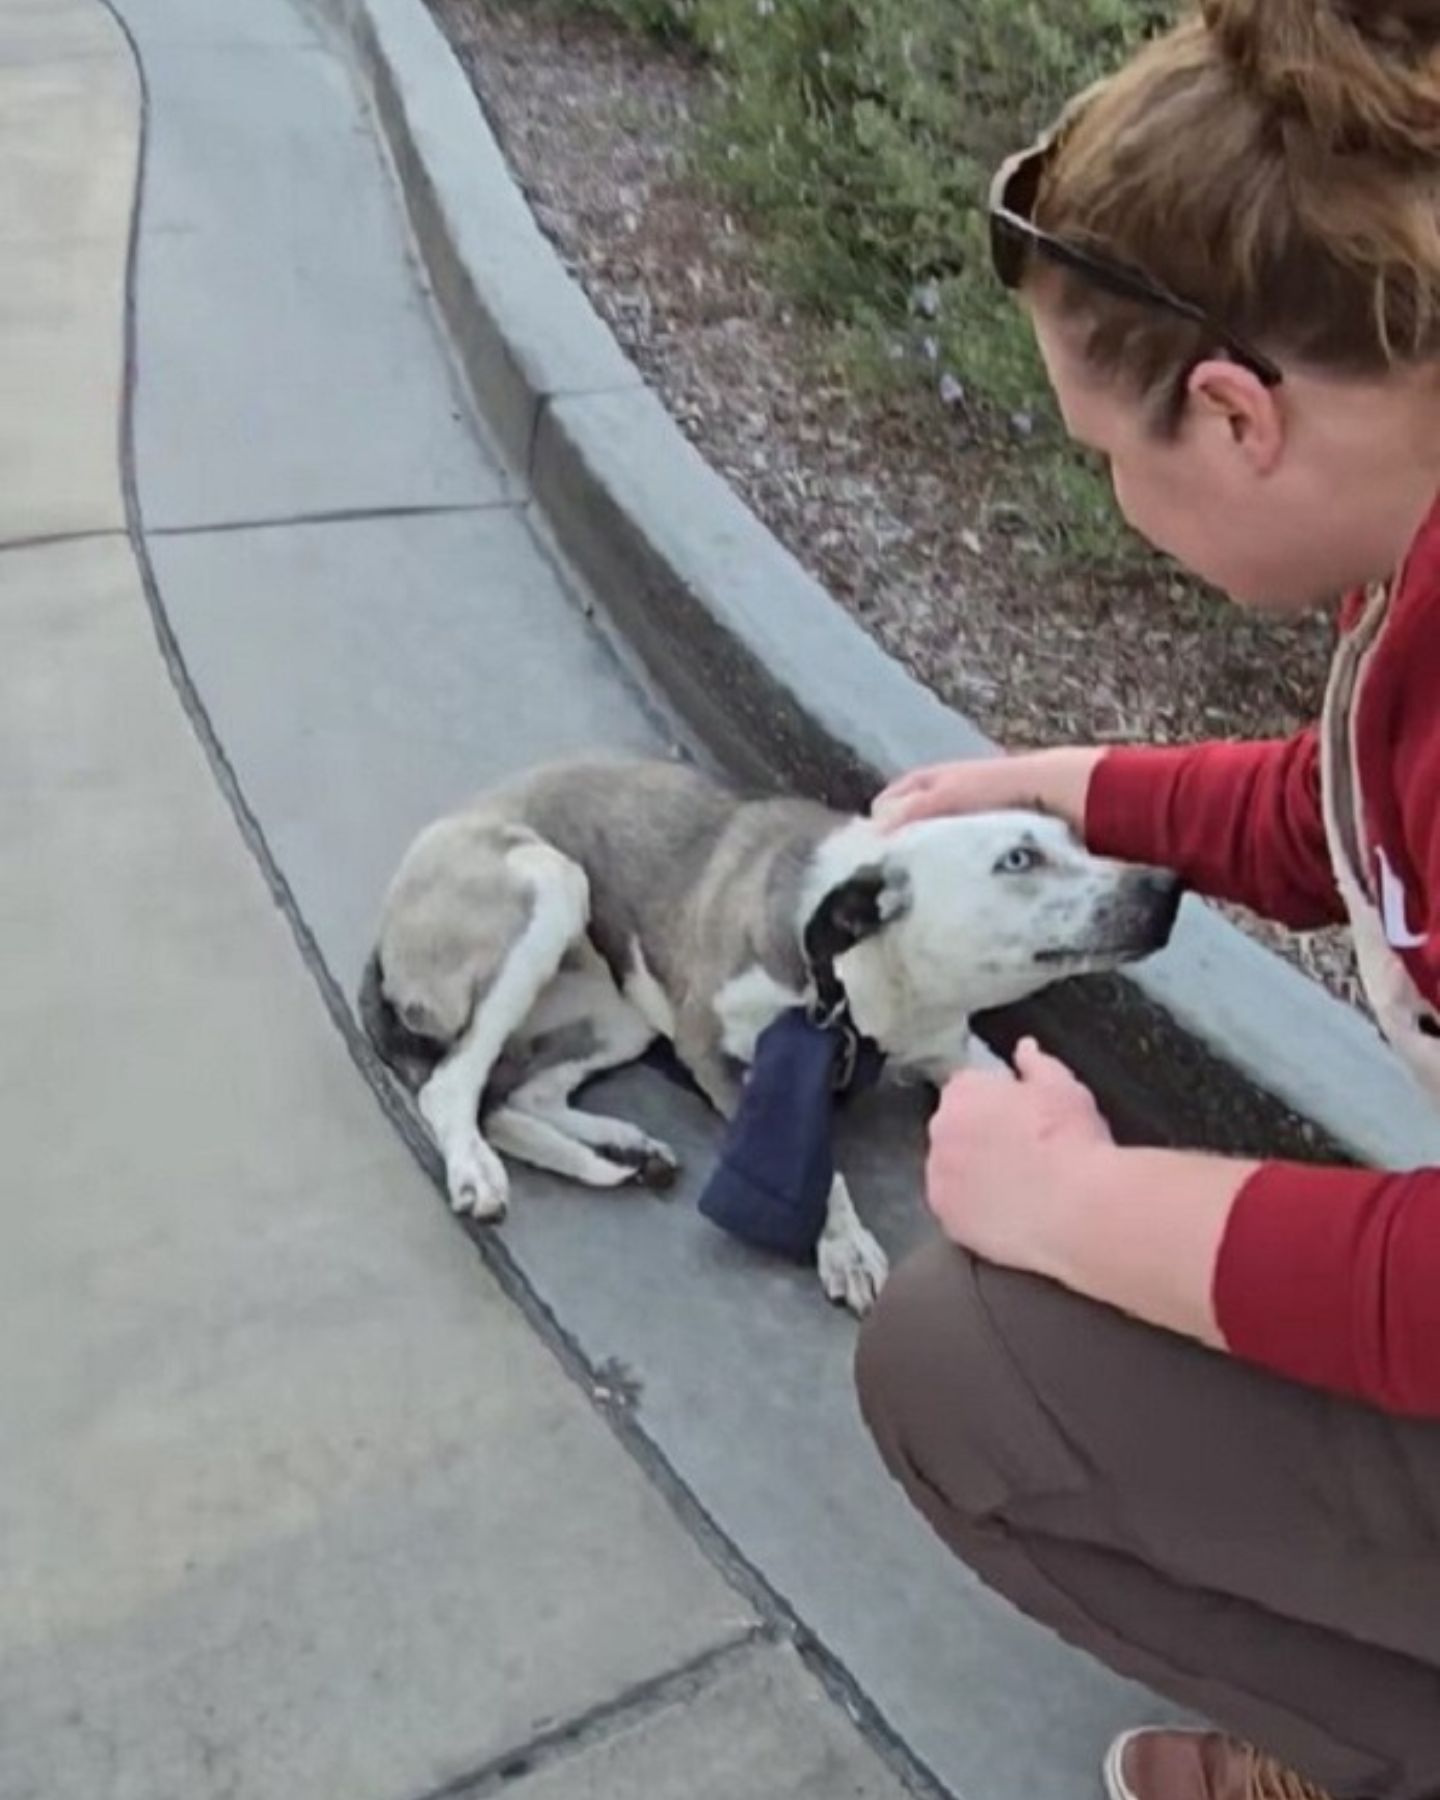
(1329, 1276)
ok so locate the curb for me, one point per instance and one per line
(760, 665)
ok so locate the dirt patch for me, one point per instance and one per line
(891, 502)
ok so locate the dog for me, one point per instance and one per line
(568, 918)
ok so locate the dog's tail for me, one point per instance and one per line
(410, 1054)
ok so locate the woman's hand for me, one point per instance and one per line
(1003, 1157)
(1025, 1173)
(1053, 781)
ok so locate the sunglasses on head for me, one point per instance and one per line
(1015, 237)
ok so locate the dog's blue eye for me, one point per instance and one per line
(1019, 861)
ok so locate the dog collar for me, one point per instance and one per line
(826, 938)
(859, 1059)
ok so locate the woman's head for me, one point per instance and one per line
(1276, 164)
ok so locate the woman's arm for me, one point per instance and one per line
(1141, 1230)
(1330, 1277)
(1051, 781)
(1025, 1173)
(1239, 822)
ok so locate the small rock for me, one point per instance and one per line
(1023, 424)
(927, 299)
(952, 390)
(930, 349)
(971, 541)
(1004, 516)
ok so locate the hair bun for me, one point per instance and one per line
(1361, 76)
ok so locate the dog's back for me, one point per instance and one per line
(455, 906)
(644, 831)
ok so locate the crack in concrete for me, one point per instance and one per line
(340, 515)
(44, 540)
(645, 1700)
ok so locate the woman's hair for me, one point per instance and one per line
(1276, 162)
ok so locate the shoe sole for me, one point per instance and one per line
(1112, 1770)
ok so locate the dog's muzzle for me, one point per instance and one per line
(1141, 918)
(1134, 923)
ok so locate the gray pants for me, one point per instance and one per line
(1260, 1553)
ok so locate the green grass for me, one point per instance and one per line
(858, 137)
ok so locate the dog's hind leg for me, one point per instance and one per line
(632, 1154)
(534, 1140)
(612, 1150)
(450, 1100)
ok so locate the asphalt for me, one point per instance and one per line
(302, 1493)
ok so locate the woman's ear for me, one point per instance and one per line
(1236, 400)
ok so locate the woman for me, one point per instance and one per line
(1231, 255)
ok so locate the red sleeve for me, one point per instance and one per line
(1332, 1277)
(1238, 821)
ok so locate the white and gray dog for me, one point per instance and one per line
(559, 925)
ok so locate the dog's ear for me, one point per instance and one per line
(855, 909)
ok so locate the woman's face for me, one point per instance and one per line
(1239, 495)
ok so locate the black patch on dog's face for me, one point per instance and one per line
(856, 909)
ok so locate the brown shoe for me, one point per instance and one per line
(1159, 1764)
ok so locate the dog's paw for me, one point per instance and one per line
(852, 1268)
(477, 1181)
(643, 1159)
(660, 1169)
(650, 1163)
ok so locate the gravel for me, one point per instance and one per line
(890, 500)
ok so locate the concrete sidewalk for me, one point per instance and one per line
(294, 1500)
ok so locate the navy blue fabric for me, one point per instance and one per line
(772, 1181)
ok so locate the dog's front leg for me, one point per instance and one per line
(697, 1044)
(474, 1175)
(852, 1266)
(718, 1084)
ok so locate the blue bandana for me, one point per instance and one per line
(771, 1183)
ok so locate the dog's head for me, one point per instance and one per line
(949, 917)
